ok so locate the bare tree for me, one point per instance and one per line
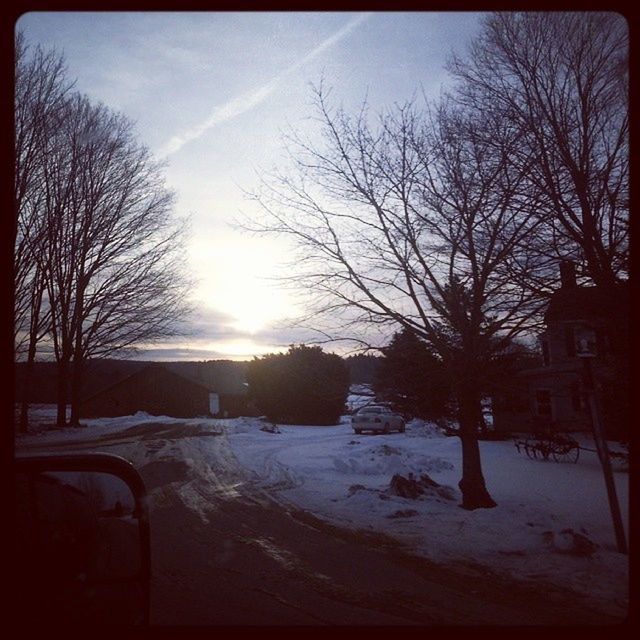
(112, 255)
(411, 223)
(562, 79)
(40, 88)
(476, 208)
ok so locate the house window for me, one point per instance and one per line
(545, 352)
(543, 402)
(569, 341)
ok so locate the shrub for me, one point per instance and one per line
(303, 386)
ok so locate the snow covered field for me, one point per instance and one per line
(344, 479)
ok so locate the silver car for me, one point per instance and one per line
(378, 418)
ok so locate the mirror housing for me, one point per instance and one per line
(83, 539)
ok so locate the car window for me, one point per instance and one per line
(369, 410)
(375, 410)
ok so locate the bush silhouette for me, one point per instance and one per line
(303, 386)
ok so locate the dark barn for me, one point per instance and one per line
(157, 390)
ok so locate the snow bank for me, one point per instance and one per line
(42, 417)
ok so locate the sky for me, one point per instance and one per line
(212, 94)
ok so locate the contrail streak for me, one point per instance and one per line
(251, 99)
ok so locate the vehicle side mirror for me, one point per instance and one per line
(83, 543)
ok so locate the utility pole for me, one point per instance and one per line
(586, 350)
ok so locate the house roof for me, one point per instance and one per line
(588, 303)
(572, 367)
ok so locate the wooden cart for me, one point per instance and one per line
(558, 446)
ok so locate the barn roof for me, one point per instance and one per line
(213, 379)
(223, 377)
(150, 367)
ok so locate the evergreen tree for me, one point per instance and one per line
(303, 386)
(412, 379)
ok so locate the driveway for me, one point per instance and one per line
(225, 553)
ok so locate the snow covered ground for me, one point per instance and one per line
(344, 478)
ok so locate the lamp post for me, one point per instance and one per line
(585, 340)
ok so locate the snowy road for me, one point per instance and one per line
(225, 553)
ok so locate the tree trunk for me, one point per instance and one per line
(28, 374)
(63, 379)
(34, 329)
(76, 391)
(78, 356)
(472, 485)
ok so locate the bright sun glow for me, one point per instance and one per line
(236, 280)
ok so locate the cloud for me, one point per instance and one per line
(172, 354)
(209, 334)
(251, 99)
(206, 325)
(225, 112)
